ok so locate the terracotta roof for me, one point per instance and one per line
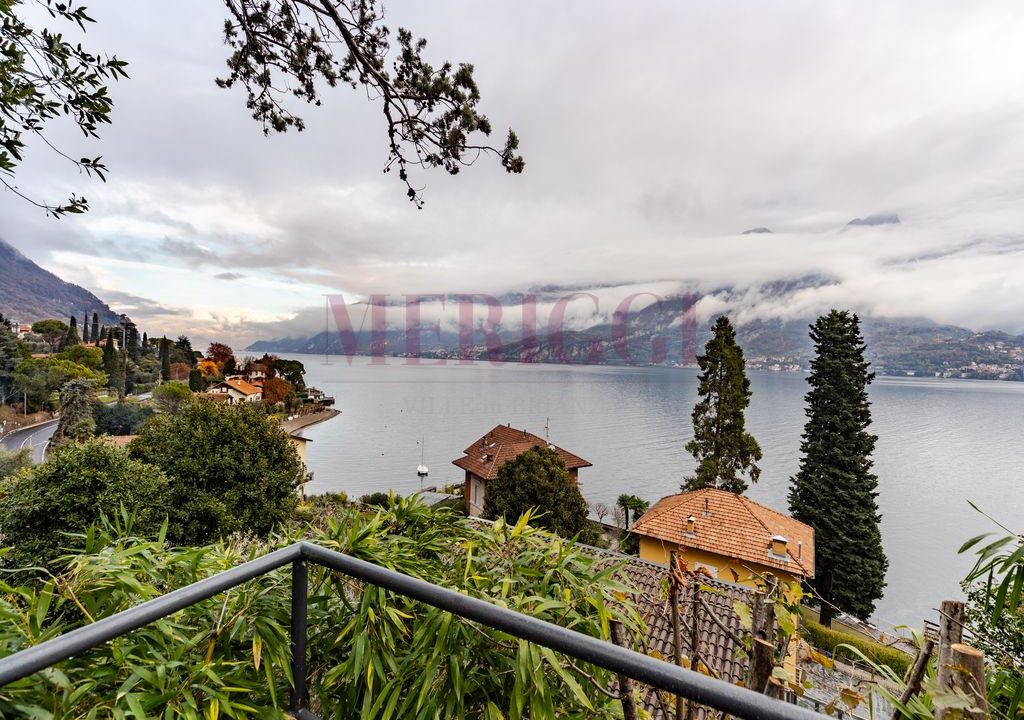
(731, 525)
(243, 387)
(484, 457)
(716, 648)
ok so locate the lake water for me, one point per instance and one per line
(941, 442)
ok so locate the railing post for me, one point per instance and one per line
(300, 590)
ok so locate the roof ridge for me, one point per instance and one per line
(761, 523)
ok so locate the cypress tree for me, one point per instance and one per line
(96, 328)
(835, 490)
(85, 328)
(71, 339)
(165, 359)
(725, 452)
(112, 365)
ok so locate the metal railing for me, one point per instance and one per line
(716, 694)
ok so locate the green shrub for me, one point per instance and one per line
(230, 468)
(827, 639)
(538, 480)
(121, 418)
(76, 485)
(377, 499)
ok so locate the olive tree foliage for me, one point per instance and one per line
(284, 49)
(45, 76)
(371, 651)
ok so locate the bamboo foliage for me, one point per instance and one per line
(371, 652)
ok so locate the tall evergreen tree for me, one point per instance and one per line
(77, 398)
(725, 452)
(165, 359)
(96, 328)
(71, 338)
(112, 365)
(85, 328)
(145, 341)
(835, 490)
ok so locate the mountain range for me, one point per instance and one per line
(29, 293)
(654, 336)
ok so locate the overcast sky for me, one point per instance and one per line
(654, 133)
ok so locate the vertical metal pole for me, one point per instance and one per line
(300, 590)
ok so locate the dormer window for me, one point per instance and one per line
(778, 548)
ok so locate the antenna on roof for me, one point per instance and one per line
(547, 428)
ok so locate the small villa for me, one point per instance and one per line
(484, 458)
(730, 537)
(237, 391)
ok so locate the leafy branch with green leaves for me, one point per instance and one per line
(44, 77)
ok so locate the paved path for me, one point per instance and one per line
(36, 438)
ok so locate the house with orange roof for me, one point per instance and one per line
(728, 536)
(237, 391)
(482, 460)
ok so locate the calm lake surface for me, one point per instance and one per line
(941, 443)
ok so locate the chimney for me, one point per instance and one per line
(799, 550)
(691, 525)
(779, 545)
(707, 508)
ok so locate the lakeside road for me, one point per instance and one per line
(36, 438)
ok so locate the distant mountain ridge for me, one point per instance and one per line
(896, 346)
(29, 293)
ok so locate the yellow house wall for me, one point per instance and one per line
(300, 447)
(746, 573)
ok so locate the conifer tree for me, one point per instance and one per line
(835, 490)
(96, 328)
(85, 327)
(112, 365)
(165, 359)
(71, 338)
(77, 398)
(725, 452)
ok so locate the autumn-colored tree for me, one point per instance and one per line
(219, 353)
(209, 368)
(180, 371)
(276, 390)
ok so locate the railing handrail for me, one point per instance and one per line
(708, 691)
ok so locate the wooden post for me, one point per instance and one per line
(762, 651)
(915, 677)
(967, 674)
(951, 631)
(625, 683)
(691, 706)
(677, 638)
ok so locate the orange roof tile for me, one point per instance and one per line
(730, 525)
(484, 457)
(243, 387)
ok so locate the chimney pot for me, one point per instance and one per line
(691, 525)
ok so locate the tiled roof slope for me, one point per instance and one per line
(714, 646)
(243, 387)
(730, 525)
(484, 457)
